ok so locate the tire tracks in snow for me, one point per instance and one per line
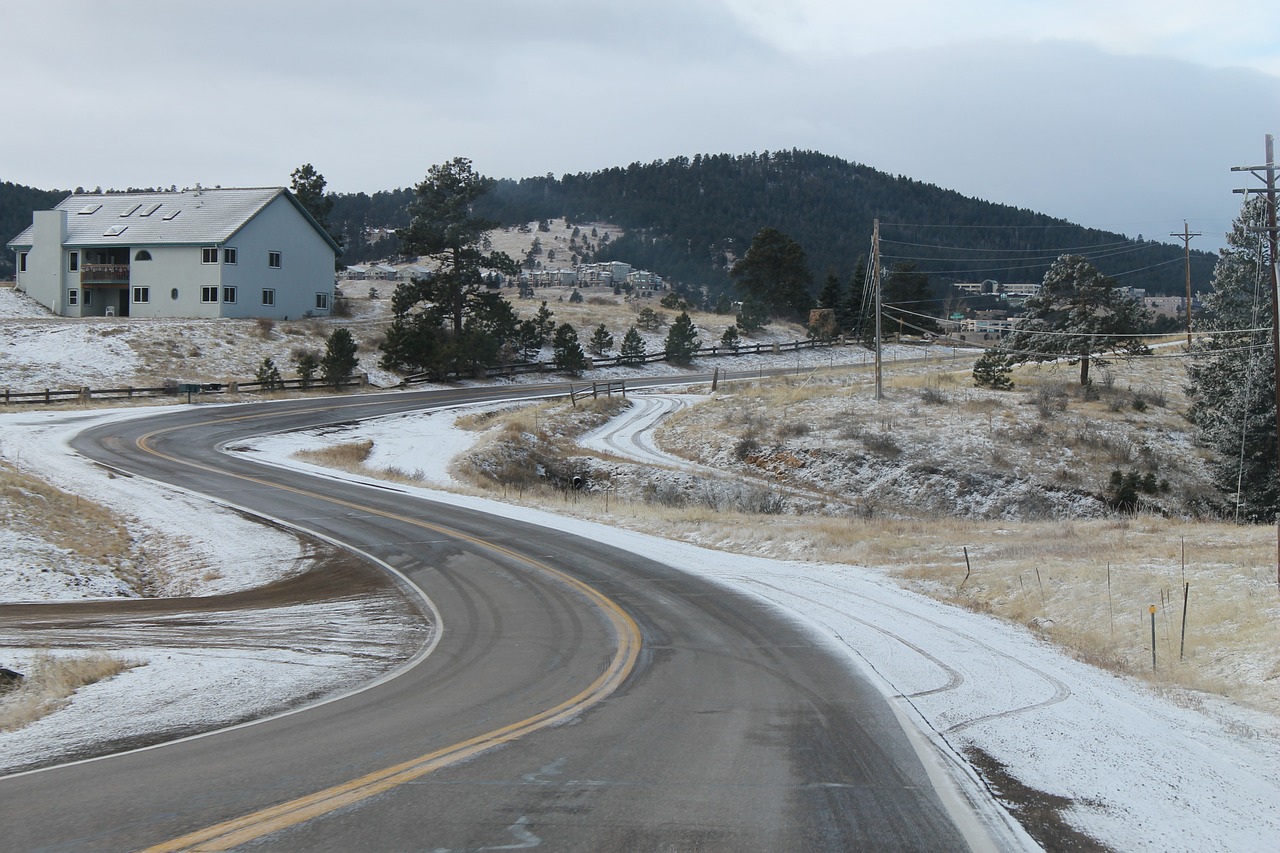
(1060, 692)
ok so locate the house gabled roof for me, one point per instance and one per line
(188, 218)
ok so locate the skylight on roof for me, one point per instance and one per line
(130, 211)
(89, 208)
(151, 208)
(115, 231)
(169, 216)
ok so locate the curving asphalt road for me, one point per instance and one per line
(575, 697)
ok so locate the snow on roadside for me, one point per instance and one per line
(206, 671)
(221, 668)
(217, 555)
(1142, 772)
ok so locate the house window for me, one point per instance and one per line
(88, 297)
(73, 262)
(142, 294)
(142, 255)
(22, 262)
(173, 294)
(269, 296)
(229, 256)
(73, 297)
(322, 302)
(209, 255)
(229, 295)
(273, 260)
(209, 294)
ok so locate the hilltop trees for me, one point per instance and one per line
(775, 273)
(1078, 315)
(1232, 378)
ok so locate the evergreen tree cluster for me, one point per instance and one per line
(1232, 376)
(17, 204)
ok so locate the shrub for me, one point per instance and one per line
(882, 443)
(933, 396)
(745, 446)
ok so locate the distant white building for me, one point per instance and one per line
(198, 253)
(994, 288)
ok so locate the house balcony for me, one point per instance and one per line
(104, 274)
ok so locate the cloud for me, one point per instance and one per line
(1223, 34)
(145, 93)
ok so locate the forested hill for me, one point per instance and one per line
(684, 218)
(688, 219)
(17, 203)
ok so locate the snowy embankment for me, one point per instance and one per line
(1133, 770)
(207, 667)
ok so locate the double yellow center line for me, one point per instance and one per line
(241, 830)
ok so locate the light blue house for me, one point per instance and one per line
(197, 253)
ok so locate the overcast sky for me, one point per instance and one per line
(1118, 114)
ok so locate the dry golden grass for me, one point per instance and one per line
(50, 681)
(1050, 575)
(349, 456)
(88, 529)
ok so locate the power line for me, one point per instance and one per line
(1041, 250)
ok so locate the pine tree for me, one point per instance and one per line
(753, 316)
(443, 229)
(544, 322)
(649, 320)
(529, 339)
(308, 186)
(682, 340)
(269, 375)
(832, 293)
(775, 272)
(1078, 315)
(992, 370)
(909, 291)
(308, 363)
(1232, 377)
(339, 360)
(730, 338)
(633, 351)
(851, 312)
(601, 340)
(568, 353)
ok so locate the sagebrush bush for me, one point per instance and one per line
(50, 681)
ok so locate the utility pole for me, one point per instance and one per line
(1186, 236)
(875, 278)
(1270, 230)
